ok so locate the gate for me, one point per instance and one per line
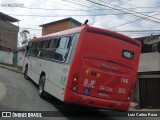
(15, 59)
(149, 91)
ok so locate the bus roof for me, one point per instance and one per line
(65, 32)
(113, 34)
(93, 29)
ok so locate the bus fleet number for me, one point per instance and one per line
(124, 80)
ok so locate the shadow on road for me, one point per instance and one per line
(70, 110)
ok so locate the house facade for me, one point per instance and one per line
(8, 32)
(59, 25)
(146, 91)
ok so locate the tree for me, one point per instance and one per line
(25, 34)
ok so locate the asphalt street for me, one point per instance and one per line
(18, 94)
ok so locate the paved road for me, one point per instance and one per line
(18, 94)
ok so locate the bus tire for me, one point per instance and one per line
(25, 73)
(41, 87)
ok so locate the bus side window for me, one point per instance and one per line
(62, 48)
(44, 49)
(47, 53)
(33, 48)
(38, 48)
(52, 43)
(39, 44)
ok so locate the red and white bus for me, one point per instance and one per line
(85, 65)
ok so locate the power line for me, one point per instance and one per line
(60, 9)
(140, 12)
(126, 14)
(79, 9)
(139, 31)
(128, 22)
(73, 9)
(128, 33)
(129, 9)
(61, 4)
(139, 7)
(151, 7)
(115, 31)
(127, 3)
(39, 29)
(133, 31)
(61, 15)
(123, 13)
(133, 12)
(125, 31)
(81, 4)
(75, 15)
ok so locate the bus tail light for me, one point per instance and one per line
(75, 83)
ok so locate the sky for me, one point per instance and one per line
(133, 18)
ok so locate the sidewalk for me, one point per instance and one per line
(11, 68)
(135, 107)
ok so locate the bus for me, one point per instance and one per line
(86, 65)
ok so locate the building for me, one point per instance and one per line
(147, 88)
(8, 32)
(150, 57)
(59, 25)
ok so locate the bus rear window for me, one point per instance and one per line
(112, 35)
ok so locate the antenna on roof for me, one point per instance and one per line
(152, 40)
(86, 21)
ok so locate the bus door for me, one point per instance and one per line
(32, 60)
(29, 58)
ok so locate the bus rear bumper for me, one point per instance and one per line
(72, 97)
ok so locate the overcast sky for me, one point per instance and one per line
(116, 15)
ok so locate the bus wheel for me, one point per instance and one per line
(41, 87)
(25, 73)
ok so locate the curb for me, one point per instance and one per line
(12, 69)
(133, 104)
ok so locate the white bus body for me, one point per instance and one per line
(56, 72)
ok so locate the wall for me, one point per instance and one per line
(73, 24)
(6, 57)
(20, 59)
(59, 26)
(136, 96)
(149, 62)
(8, 35)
